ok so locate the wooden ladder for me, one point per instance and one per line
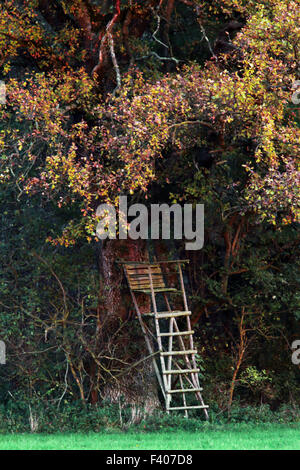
(178, 371)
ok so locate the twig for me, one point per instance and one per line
(154, 54)
(66, 384)
(137, 363)
(197, 9)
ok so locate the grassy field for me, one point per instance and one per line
(261, 437)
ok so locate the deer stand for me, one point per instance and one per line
(178, 372)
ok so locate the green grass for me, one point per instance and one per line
(261, 437)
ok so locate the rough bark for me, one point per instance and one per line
(121, 333)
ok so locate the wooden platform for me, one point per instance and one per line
(176, 347)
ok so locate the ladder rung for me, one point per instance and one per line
(179, 353)
(172, 314)
(177, 333)
(187, 407)
(185, 390)
(181, 371)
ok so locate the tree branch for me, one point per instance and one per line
(104, 39)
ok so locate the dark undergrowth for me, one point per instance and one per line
(18, 417)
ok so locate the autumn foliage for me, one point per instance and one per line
(116, 98)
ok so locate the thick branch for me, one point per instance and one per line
(104, 39)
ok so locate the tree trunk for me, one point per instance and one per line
(120, 333)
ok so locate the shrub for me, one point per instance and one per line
(75, 417)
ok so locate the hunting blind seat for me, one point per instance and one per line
(178, 371)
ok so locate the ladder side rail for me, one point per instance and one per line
(170, 331)
(184, 398)
(148, 343)
(177, 329)
(163, 366)
(195, 377)
(186, 308)
(186, 358)
(167, 302)
(182, 287)
(170, 347)
(194, 383)
(174, 360)
(189, 327)
(199, 396)
(188, 379)
(191, 381)
(165, 381)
